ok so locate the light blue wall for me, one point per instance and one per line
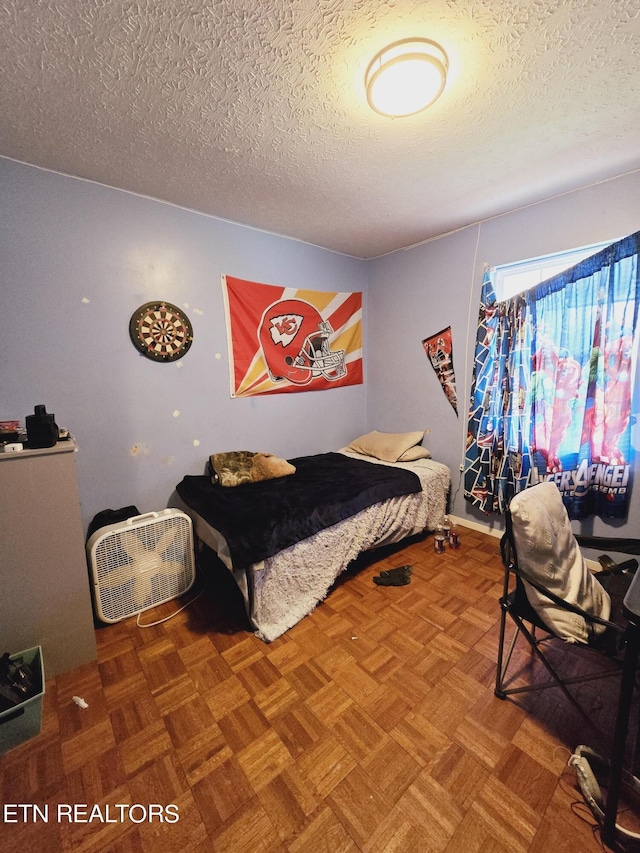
(416, 292)
(77, 260)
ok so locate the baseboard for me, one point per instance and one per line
(481, 528)
(592, 565)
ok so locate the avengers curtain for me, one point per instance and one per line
(552, 390)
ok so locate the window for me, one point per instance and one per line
(510, 279)
(553, 386)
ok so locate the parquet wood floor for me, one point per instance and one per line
(370, 727)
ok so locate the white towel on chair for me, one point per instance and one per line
(548, 552)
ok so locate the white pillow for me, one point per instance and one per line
(547, 551)
(386, 446)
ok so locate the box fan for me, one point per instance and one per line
(141, 562)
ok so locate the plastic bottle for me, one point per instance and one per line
(454, 539)
(438, 540)
(446, 528)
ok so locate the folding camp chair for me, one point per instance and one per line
(550, 594)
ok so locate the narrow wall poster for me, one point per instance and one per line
(439, 349)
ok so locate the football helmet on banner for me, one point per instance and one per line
(295, 343)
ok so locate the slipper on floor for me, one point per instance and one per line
(392, 580)
(400, 570)
(609, 567)
(606, 562)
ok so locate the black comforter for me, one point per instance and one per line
(260, 519)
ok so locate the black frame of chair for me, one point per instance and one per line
(515, 604)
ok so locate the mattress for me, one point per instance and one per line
(281, 589)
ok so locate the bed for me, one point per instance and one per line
(286, 540)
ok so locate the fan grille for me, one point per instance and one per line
(138, 566)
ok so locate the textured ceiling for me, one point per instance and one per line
(255, 111)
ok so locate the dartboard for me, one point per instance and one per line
(161, 331)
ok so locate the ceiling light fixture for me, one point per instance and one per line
(406, 77)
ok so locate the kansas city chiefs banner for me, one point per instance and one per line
(439, 349)
(283, 340)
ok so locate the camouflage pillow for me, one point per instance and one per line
(244, 466)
